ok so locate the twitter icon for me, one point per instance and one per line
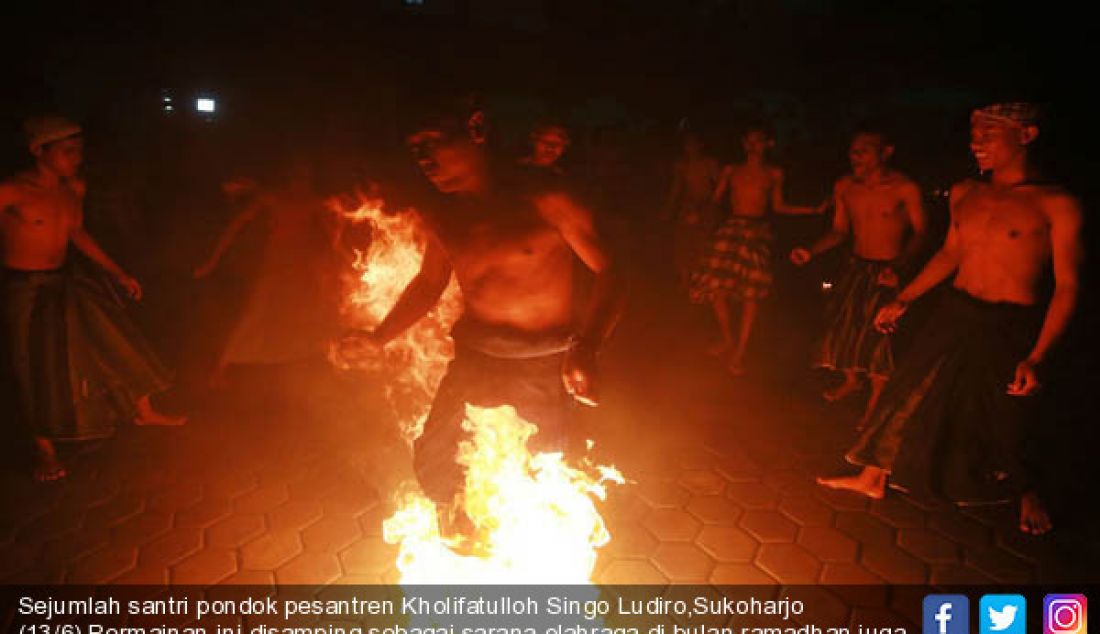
(1002, 614)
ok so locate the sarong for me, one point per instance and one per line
(851, 341)
(738, 264)
(76, 362)
(694, 230)
(492, 367)
(945, 427)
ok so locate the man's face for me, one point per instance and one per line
(547, 146)
(450, 161)
(867, 154)
(995, 143)
(63, 157)
(755, 143)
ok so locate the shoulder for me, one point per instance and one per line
(904, 185)
(1058, 205)
(78, 185)
(962, 189)
(843, 184)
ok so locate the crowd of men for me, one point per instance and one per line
(950, 418)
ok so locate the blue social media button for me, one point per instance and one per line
(946, 614)
(1002, 614)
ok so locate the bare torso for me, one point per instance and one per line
(36, 222)
(514, 268)
(1003, 239)
(750, 188)
(700, 177)
(879, 219)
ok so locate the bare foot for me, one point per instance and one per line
(1034, 519)
(735, 366)
(47, 467)
(719, 349)
(870, 483)
(146, 415)
(842, 391)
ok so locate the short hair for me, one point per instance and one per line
(446, 111)
(758, 125)
(874, 130)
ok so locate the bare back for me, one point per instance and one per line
(514, 267)
(37, 222)
(1003, 239)
(879, 214)
(750, 188)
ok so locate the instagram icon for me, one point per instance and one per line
(1065, 614)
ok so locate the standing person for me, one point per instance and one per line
(957, 418)
(549, 141)
(690, 204)
(510, 242)
(738, 266)
(290, 313)
(877, 207)
(66, 336)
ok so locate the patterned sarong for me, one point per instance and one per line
(851, 341)
(738, 264)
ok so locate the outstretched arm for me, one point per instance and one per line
(780, 206)
(86, 244)
(420, 296)
(229, 235)
(944, 263)
(1067, 254)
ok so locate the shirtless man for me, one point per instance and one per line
(738, 266)
(690, 204)
(549, 141)
(962, 400)
(875, 206)
(42, 214)
(511, 244)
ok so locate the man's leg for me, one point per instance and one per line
(1034, 519)
(878, 383)
(47, 467)
(845, 389)
(736, 363)
(721, 306)
(871, 482)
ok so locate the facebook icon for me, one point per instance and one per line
(946, 614)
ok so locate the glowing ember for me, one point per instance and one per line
(534, 515)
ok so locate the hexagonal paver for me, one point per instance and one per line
(115, 510)
(331, 533)
(865, 528)
(631, 572)
(56, 522)
(842, 500)
(958, 574)
(309, 568)
(141, 529)
(791, 482)
(928, 545)
(663, 494)
(209, 565)
(235, 531)
(250, 578)
(966, 531)
(682, 562)
(1001, 565)
(371, 556)
(893, 564)
(630, 541)
(261, 500)
(807, 511)
(103, 565)
(828, 544)
(672, 525)
(844, 574)
(350, 500)
(727, 543)
(203, 513)
(294, 515)
(769, 527)
(270, 550)
(752, 495)
(897, 512)
(178, 496)
(714, 509)
(789, 563)
(702, 481)
(143, 575)
(171, 547)
(738, 468)
(233, 485)
(726, 574)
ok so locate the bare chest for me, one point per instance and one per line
(510, 245)
(42, 211)
(875, 205)
(1001, 219)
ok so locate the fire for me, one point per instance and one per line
(534, 515)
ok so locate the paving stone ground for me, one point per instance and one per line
(721, 492)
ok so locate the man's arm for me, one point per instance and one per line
(780, 206)
(420, 296)
(230, 233)
(1064, 215)
(842, 223)
(723, 184)
(944, 263)
(86, 244)
(918, 221)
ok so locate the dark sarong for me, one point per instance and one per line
(76, 361)
(851, 341)
(492, 368)
(945, 428)
(738, 264)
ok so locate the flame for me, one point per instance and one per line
(534, 515)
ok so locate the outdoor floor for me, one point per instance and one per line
(722, 492)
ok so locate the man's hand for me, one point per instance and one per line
(578, 373)
(357, 345)
(888, 277)
(800, 256)
(824, 206)
(130, 285)
(886, 321)
(1026, 381)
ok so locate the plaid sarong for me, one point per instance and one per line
(738, 264)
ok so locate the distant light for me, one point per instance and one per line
(205, 104)
(168, 108)
(826, 286)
